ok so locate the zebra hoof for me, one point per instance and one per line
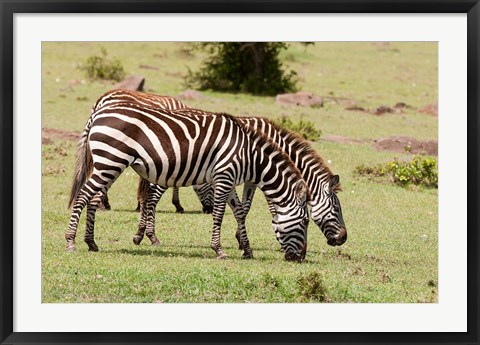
(92, 248)
(137, 239)
(70, 249)
(222, 256)
(155, 243)
(247, 256)
(180, 210)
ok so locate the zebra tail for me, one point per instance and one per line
(83, 166)
(142, 190)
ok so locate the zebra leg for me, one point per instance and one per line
(220, 197)
(205, 195)
(138, 237)
(154, 195)
(92, 207)
(237, 208)
(176, 201)
(148, 204)
(91, 188)
(247, 197)
(103, 203)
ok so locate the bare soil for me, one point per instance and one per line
(403, 144)
(49, 134)
(396, 144)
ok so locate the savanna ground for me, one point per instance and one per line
(391, 254)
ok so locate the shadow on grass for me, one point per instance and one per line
(183, 251)
(158, 253)
(158, 211)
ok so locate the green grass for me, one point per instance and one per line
(391, 254)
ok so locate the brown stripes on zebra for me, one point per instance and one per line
(146, 99)
(182, 148)
(322, 184)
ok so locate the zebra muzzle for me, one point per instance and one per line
(338, 239)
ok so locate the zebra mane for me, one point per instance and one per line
(264, 138)
(300, 144)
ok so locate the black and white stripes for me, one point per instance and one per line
(187, 147)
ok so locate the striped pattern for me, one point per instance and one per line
(182, 148)
(141, 98)
(322, 184)
(145, 99)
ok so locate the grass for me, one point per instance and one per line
(391, 254)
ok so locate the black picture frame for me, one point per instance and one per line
(9, 8)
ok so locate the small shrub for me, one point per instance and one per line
(312, 287)
(252, 67)
(366, 170)
(419, 171)
(100, 67)
(270, 281)
(304, 128)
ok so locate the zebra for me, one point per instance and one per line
(182, 148)
(323, 185)
(147, 99)
(326, 209)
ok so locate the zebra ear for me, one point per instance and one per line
(301, 191)
(334, 183)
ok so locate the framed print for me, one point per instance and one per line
(357, 118)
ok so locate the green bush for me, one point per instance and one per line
(312, 288)
(419, 171)
(304, 128)
(252, 67)
(100, 67)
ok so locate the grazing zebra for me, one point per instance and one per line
(183, 148)
(323, 185)
(152, 100)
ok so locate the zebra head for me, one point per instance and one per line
(290, 222)
(327, 212)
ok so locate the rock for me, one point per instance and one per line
(133, 82)
(402, 105)
(301, 98)
(383, 109)
(190, 94)
(355, 108)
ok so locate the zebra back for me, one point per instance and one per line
(137, 97)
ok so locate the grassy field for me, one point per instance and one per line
(391, 254)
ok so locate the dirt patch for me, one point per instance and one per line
(403, 144)
(431, 109)
(398, 108)
(190, 95)
(48, 134)
(395, 144)
(301, 98)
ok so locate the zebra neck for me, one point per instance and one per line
(272, 170)
(314, 170)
